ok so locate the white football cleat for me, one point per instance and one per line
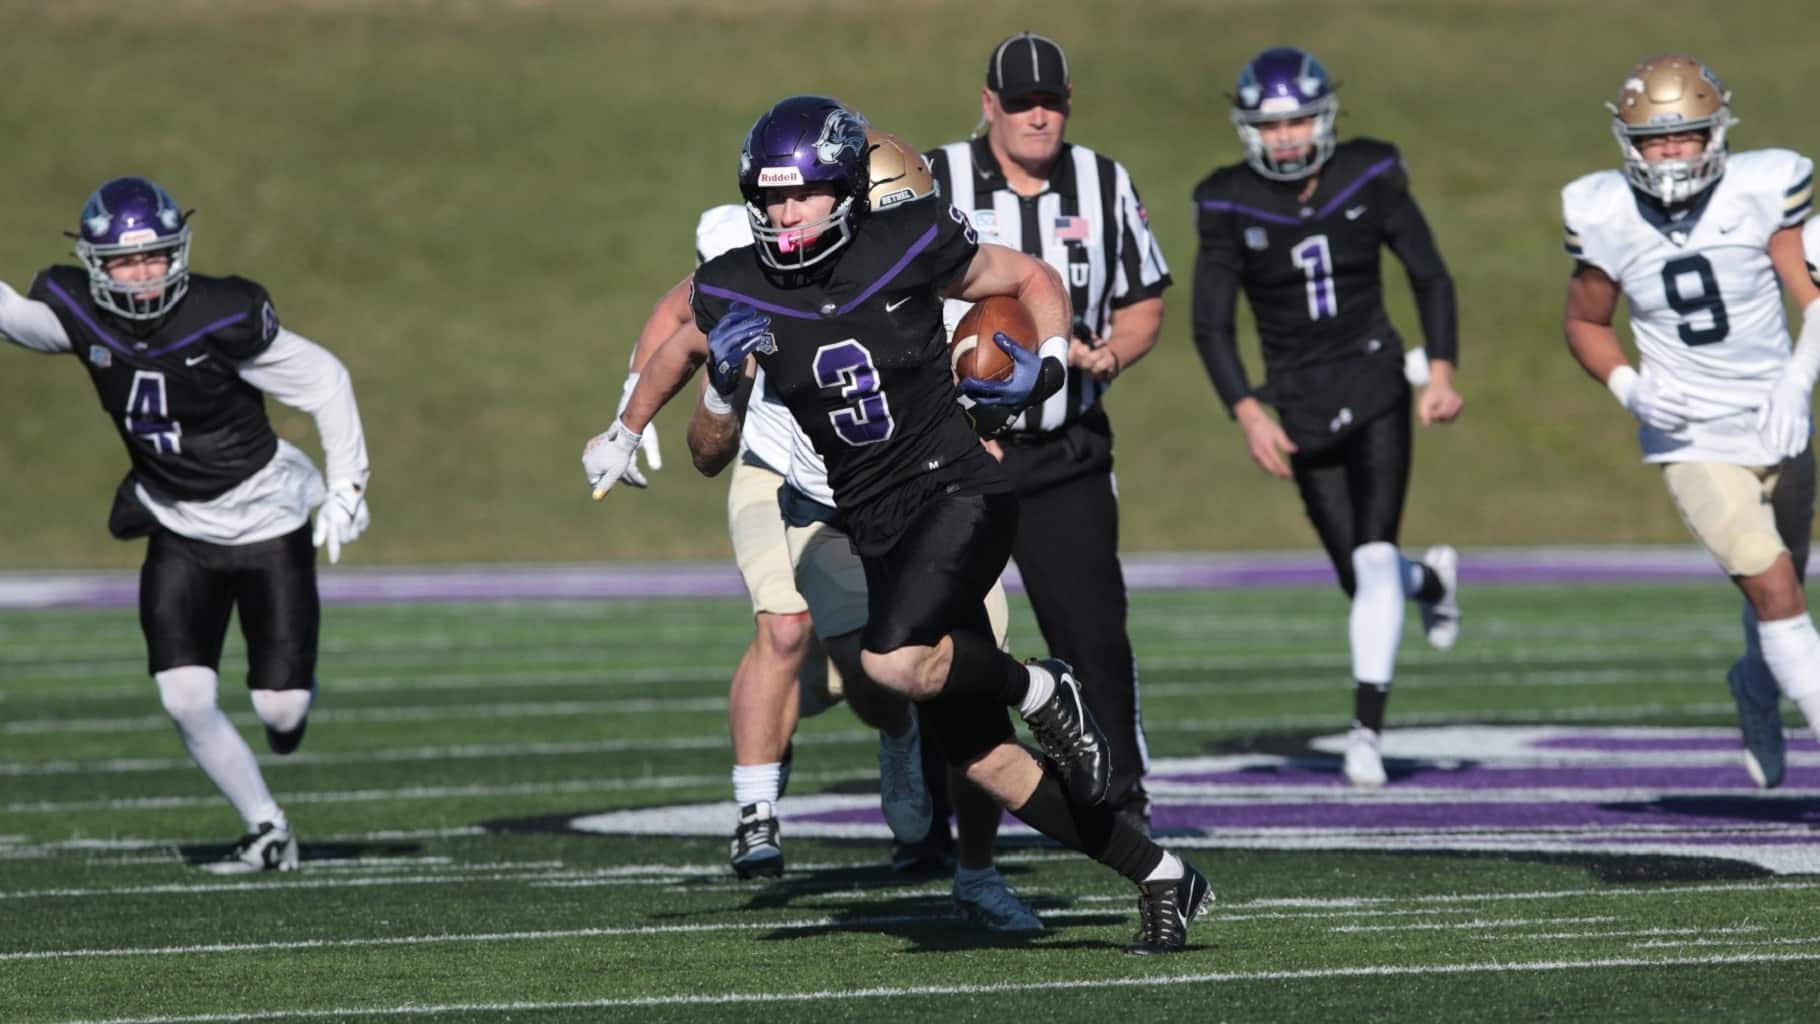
(1441, 619)
(268, 848)
(1364, 765)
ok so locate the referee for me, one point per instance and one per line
(1077, 210)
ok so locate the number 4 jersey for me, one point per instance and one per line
(860, 358)
(1705, 303)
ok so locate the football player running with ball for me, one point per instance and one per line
(1697, 239)
(1299, 225)
(182, 364)
(843, 312)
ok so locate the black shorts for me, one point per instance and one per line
(189, 588)
(934, 580)
(1353, 490)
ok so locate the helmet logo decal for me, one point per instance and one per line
(840, 131)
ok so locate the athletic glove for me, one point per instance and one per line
(647, 442)
(1656, 402)
(607, 459)
(1034, 376)
(1785, 420)
(342, 518)
(740, 333)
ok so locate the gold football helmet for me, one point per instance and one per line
(1667, 94)
(898, 173)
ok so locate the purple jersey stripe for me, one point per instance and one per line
(1226, 206)
(199, 334)
(897, 268)
(82, 314)
(758, 303)
(1346, 193)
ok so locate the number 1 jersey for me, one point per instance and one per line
(1705, 303)
(861, 360)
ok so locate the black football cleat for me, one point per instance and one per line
(1069, 735)
(756, 852)
(1164, 910)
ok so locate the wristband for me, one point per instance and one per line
(712, 401)
(1622, 383)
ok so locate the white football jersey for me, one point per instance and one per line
(1705, 303)
(765, 433)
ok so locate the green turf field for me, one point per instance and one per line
(453, 746)
(474, 204)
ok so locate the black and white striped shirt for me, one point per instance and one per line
(1088, 224)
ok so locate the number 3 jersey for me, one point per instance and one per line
(1705, 303)
(859, 356)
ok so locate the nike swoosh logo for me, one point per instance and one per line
(199, 360)
(1355, 213)
(892, 306)
(1729, 230)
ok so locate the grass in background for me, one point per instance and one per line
(474, 204)
(434, 719)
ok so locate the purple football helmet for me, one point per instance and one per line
(125, 217)
(1283, 84)
(804, 140)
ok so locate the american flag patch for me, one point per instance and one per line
(1071, 229)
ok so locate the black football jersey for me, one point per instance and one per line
(1312, 273)
(861, 357)
(193, 427)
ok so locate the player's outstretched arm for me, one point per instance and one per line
(608, 454)
(30, 324)
(307, 377)
(670, 313)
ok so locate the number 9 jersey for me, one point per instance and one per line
(1705, 302)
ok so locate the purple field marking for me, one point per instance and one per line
(1317, 774)
(645, 581)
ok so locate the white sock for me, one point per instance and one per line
(1042, 687)
(188, 694)
(1376, 625)
(753, 783)
(283, 710)
(1791, 648)
(1167, 870)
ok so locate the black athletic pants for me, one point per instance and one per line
(1353, 490)
(1067, 551)
(188, 589)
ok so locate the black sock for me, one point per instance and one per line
(1431, 589)
(1095, 831)
(979, 669)
(1368, 701)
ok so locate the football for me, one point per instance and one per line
(971, 351)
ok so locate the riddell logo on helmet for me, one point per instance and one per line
(777, 177)
(135, 237)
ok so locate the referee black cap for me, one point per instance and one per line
(1027, 63)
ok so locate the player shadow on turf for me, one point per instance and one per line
(1752, 807)
(198, 854)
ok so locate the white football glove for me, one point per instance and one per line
(607, 459)
(647, 441)
(1785, 420)
(1656, 402)
(342, 518)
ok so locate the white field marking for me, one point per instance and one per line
(591, 678)
(618, 785)
(1550, 654)
(416, 713)
(120, 766)
(1506, 922)
(847, 995)
(1627, 933)
(1803, 940)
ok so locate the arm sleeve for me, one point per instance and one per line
(1216, 292)
(308, 377)
(30, 324)
(1406, 231)
(1141, 273)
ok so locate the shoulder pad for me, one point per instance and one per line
(257, 324)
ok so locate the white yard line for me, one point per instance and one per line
(848, 995)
